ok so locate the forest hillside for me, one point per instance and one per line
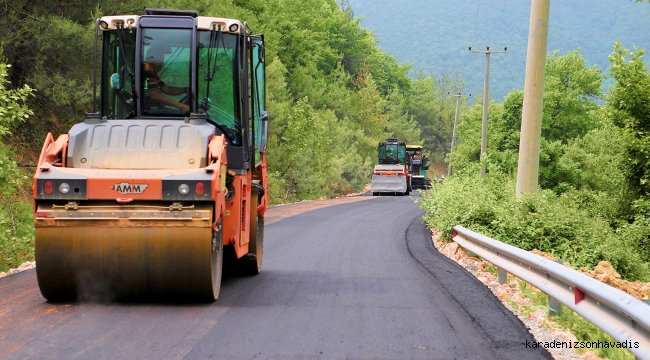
(434, 35)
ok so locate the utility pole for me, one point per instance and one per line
(453, 136)
(531, 118)
(486, 87)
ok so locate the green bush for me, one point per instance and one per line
(16, 221)
(16, 235)
(546, 221)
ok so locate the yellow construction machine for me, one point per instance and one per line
(142, 197)
(418, 166)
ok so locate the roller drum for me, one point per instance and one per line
(389, 184)
(113, 259)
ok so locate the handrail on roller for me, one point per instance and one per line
(622, 316)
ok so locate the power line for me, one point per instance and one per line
(458, 97)
(503, 8)
(478, 7)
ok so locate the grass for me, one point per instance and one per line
(491, 269)
(568, 320)
(576, 324)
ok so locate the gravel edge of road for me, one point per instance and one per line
(24, 266)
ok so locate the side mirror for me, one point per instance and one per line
(116, 82)
(117, 85)
(265, 129)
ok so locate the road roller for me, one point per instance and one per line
(167, 173)
(391, 175)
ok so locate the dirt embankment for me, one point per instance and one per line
(604, 272)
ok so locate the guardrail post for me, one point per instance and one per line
(554, 306)
(502, 276)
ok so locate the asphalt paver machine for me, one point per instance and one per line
(418, 166)
(143, 197)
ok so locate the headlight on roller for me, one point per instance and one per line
(184, 189)
(64, 188)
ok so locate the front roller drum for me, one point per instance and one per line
(103, 263)
(394, 184)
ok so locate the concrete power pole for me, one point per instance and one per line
(486, 94)
(453, 136)
(531, 119)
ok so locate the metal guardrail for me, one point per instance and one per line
(622, 316)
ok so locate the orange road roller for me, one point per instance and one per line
(145, 195)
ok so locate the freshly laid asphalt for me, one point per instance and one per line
(355, 280)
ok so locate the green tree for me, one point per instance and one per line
(369, 106)
(467, 152)
(13, 107)
(629, 106)
(399, 123)
(569, 90)
(16, 239)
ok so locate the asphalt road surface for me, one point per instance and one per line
(357, 279)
